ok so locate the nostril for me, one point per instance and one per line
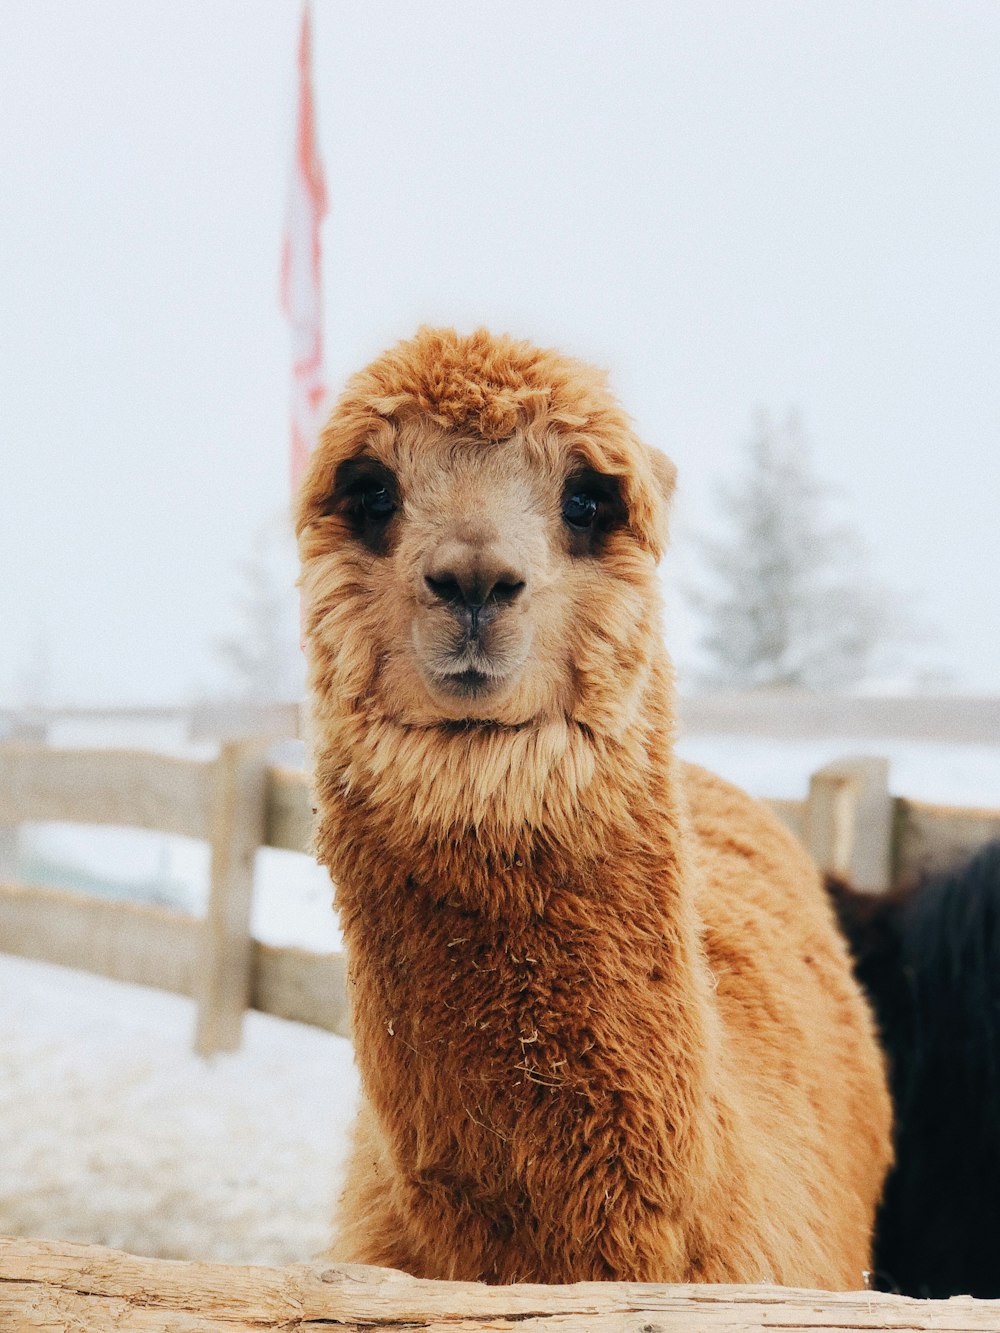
(506, 591)
(473, 588)
(445, 588)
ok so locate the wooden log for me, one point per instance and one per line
(132, 787)
(54, 1285)
(243, 720)
(772, 713)
(224, 982)
(8, 851)
(791, 813)
(925, 837)
(152, 791)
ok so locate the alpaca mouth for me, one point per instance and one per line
(463, 669)
(467, 684)
(469, 673)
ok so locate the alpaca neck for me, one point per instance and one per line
(519, 974)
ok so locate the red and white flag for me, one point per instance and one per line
(301, 276)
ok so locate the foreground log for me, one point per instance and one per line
(63, 1288)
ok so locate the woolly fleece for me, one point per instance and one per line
(605, 1025)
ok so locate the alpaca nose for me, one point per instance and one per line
(471, 581)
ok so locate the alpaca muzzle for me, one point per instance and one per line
(473, 640)
(476, 585)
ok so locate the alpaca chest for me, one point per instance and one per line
(508, 1066)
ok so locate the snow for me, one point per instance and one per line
(115, 1133)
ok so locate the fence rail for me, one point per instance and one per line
(236, 803)
(797, 714)
(785, 714)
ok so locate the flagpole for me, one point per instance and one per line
(301, 267)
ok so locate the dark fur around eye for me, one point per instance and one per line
(366, 496)
(591, 508)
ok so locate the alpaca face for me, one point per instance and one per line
(474, 563)
(459, 569)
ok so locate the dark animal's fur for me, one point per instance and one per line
(929, 957)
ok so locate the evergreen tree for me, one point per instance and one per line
(787, 602)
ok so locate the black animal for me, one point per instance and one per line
(929, 958)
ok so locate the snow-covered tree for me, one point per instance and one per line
(787, 601)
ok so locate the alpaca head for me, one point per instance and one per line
(479, 528)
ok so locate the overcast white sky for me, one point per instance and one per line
(729, 204)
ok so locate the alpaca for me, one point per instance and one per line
(605, 1024)
(929, 957)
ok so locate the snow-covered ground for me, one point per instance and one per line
(113, 1132)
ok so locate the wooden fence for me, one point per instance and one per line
(237, 803)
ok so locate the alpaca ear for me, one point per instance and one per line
(665, 474)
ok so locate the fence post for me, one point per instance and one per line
(237, 829)
(8, 852)
(26, 725)
(848, 822)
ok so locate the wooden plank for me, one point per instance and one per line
(55, 1285)
(148, 946)
(930, 837)
(289, 810)
(237, 829)
(302, 986)
(152, 791)
(848, 821)
(798, 713)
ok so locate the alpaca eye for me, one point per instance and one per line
(377, 503)
(580, 509)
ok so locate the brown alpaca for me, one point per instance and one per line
(605, 1025)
